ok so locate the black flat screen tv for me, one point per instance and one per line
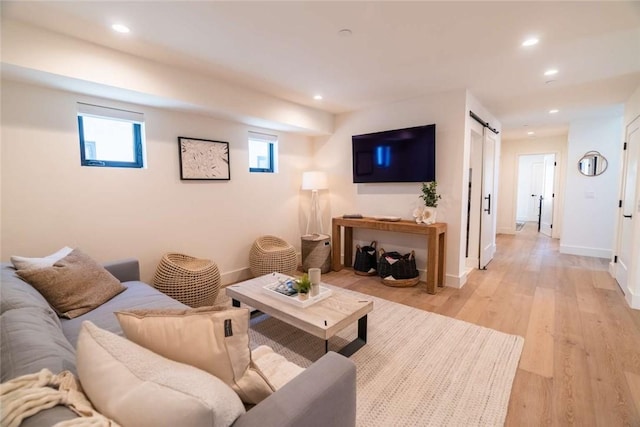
(401, 155)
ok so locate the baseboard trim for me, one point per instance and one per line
(612, 269)
(506, 230)
(632, 299)
(583, 251)
(235, 276)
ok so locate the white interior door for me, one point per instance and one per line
(629, 201)
(537, 184)
(546, 214)
(487, 220)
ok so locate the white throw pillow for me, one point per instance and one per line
(136, 387)
(275, 367)
(24, 263)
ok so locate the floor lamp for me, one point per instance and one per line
(314, 181)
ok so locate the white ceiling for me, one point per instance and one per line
(397, 50)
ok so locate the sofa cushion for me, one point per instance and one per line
(74, 285)
(136, 387)
(213, 339)
(24, 263)
(31, 340)
(16, 293)
(138, 295)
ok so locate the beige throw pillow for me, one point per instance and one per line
(24, 263)
(74, 285)
(136, 387)
(213, 339)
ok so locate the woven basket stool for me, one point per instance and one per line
(272, 254)
(192, 281)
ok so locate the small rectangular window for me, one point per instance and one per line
(110, 137)
(263, 151)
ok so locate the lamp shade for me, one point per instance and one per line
(314, 180)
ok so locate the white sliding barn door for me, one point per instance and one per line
(487, 218)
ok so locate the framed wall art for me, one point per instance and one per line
(203, 159)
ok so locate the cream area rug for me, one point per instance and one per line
(417, 368)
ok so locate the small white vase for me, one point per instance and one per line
(429, 215)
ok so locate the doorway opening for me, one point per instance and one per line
(536, 191)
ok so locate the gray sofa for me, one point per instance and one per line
(33, 337)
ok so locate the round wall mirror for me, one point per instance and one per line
(592, 164)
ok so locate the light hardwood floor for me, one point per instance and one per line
(581, 360)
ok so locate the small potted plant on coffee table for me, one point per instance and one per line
(303, 285)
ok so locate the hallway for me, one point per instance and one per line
(581, 361)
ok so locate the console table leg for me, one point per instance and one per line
(235, 302)
(432, 264)
(336, 231)
(348, 247)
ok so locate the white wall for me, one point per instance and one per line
(591, 202)
(49, 200)
(333, 154)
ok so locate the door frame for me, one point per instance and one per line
(556, 230)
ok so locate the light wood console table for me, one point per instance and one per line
(436, 243)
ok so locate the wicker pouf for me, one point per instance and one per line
(272, 254)
(192, 281)
(316, 252)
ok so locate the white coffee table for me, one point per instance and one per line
(323, 319)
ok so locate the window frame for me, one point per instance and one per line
(105, 113)
(272, 140)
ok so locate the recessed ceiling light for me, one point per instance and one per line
(120, 28)
(530, 133)
(345, 32)
(551, 72)
(530, 41)
(554, 111)
(317, 97)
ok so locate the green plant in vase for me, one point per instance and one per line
(430, 196)
(303, 286)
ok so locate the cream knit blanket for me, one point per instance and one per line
(29, 394)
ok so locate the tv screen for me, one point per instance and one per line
(401, 155)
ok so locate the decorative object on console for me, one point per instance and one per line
(366, 263)
(203, 159)
(430, 196)
(314, 181)
(192, 281)
(271, 254)
(398, 270)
